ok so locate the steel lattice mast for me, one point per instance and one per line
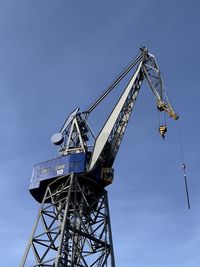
(73, 227)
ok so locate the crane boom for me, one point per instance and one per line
(112, 132)
(109, 139)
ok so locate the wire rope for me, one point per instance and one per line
(183, 165)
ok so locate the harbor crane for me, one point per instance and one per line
(73, 227)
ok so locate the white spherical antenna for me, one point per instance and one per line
(57, 139)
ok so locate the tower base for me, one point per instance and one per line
(73, 226)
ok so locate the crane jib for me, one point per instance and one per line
(107, 128)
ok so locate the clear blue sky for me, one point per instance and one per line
(56, 55)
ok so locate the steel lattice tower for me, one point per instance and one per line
(73, 226)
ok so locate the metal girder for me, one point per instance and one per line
(109, 139)
(73, 226)
(153, 76)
